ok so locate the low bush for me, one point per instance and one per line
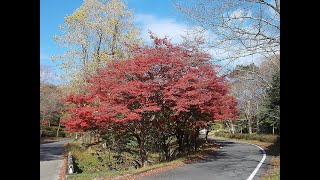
(97, 159)
(47, 133)
(258, 137)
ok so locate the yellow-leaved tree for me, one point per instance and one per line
(94, 33)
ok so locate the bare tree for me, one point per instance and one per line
(46, 74)
(268, 68)
(240, 28)
(50, 97)
(249, 84)
(249, 93)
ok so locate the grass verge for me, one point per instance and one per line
(204, 150)
(258, 137)
(274, 173)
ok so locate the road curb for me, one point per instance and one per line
(63, 169)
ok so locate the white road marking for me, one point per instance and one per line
(257, 168)
(260, 163)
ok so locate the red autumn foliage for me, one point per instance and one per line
(154, 77)
(157, 85)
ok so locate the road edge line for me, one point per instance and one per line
(260, 163)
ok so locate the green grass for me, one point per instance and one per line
(95, 159)
(109, 174)
(88, 160)
(259, 137)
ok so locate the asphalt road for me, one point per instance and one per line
(234, 161)
(51, 160)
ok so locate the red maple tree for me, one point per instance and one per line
(156, 86)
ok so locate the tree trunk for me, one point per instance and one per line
(207, 135)
(272, 129)
(257, 125)
(58, 129)
(142, 150)
(143, 153)
(98, 48)
(278, 5)
(232, 128)
(248, 116)
(196, 143)
(114, 38)
(249, 126)
(228, 127)
(187, 143)
(180, 140)
(165, 148)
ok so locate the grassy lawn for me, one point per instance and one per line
(204, 150)
(272, 149)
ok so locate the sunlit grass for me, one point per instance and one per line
(187, 158)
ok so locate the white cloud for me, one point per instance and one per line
(169, 27)
(237, 13)
(173, 29)
(161, 27)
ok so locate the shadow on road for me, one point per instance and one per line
(237, 156)
(50, 153)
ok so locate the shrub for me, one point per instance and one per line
(96, 159)
(258, 137)
(48, 133)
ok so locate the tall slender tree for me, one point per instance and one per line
(94, 33)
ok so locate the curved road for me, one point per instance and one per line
(234, 161)
(51, 159)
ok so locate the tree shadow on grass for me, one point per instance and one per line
(274, 149)
(76, 167)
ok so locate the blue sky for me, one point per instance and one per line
(158, 16)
